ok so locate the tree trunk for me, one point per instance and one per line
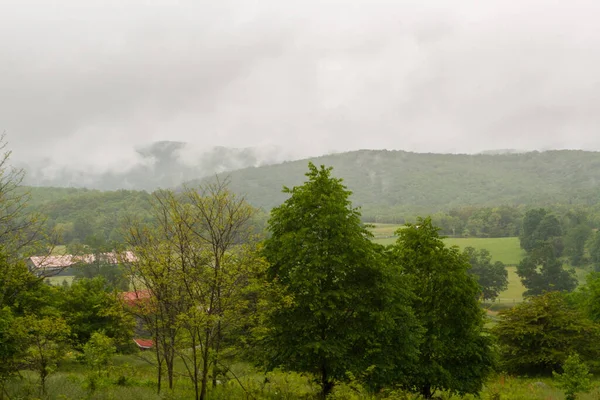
(195, 361)
(326, 383)
(216, 359)
(159, 370)
(204, 374)
(426, 391)
(43, 375)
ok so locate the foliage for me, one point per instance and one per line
(48, 339)
(537, 336)
(575, 241)
(542, 271)
(196, 262)
(575, 378)
(98, 352)
(334, 311)
(21, 229)
(456, 354)
(587, 297)
(89, 306)
(492, 278)
(12, 345)
(595, 251)
(541, 228)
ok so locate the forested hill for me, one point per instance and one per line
(392, 182)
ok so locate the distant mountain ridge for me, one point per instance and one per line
(389, 182)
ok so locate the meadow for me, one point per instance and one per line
(506, 250)
(133, 377)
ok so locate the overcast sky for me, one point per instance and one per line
(84, 82)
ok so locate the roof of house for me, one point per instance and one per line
(133, 297)
(68, 260)
(144, 343)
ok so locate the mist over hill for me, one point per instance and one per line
(159, 165)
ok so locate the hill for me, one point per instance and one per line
(387, 183)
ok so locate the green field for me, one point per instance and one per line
(381, 231)
(506, 250)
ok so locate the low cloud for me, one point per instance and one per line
(85, 84)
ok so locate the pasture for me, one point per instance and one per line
(506, 250)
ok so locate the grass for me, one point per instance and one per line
(59, 250)
(133, 378)
(58, 280)
(381, 231)
(505, 249)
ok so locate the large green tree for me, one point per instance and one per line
(336, 312)
(575, 240)
(456, 354)
(539, 228)
(542, 271)
(537, 336)
(492, 277)
(90, 305)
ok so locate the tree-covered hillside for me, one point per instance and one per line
(387, 183)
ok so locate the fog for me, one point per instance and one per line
(86, 84)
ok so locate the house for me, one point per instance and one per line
(135, 299)
(52, 265)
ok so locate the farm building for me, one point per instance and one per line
(51, 265)
(144, 344)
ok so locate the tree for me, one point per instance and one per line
(575, 378)
(492, 278)
(456, 354)
(330, 283)
(575, 241)
(48, 340)
(595, 251)
(539, 228)
(197, 261)
(89, 306)
(98, 352)
(12, 346)
(542, 271)
(587, 297)
(21, 231)
(537, 336)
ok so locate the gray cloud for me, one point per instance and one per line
(84, 82)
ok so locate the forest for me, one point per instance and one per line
(199, 293)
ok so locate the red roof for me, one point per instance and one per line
(144, 343)
(133, 297)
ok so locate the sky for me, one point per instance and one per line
(83, 83)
